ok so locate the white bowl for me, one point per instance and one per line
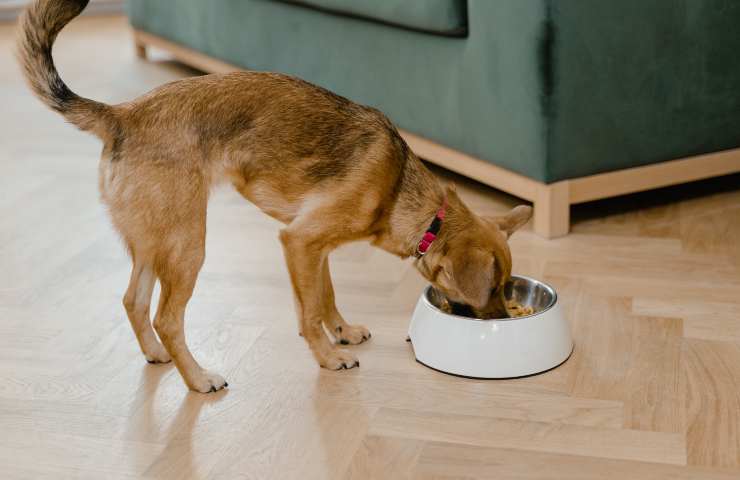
(497, 348)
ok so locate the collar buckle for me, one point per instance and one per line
(431, 233)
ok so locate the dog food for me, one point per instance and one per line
(513, 309)
(517, 310)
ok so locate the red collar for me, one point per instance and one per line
(431, 234)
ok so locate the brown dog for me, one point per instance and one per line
(331, 170)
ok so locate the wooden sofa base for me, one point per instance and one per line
(551, 201)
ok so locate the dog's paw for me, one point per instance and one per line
(340, 360)
(157, 354)
(352, 334)
(209, 382)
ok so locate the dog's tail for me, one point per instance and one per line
(38, 28)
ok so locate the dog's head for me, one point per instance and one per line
(473, 262)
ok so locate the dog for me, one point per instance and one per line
(330, 170)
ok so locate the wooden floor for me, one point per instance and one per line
(650, 283)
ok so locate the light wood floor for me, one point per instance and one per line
(651, 285)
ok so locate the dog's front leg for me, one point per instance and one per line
(345, 333)
(305, 257)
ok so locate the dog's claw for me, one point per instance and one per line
(210, 382)
(339, 360)
(352, 335)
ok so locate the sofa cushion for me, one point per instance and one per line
(480, 95)
(442, 17)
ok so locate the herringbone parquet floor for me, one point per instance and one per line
(650, 283)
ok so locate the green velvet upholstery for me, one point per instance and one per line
(641, 81)
(550, 89)
(444, 17)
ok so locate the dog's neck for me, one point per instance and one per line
(419, 198)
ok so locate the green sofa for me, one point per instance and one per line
(552, 95)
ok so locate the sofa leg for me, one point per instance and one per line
(552, 210)
(140, 49)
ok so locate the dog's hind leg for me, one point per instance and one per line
(177, 267)
(137, 302)
(345, 333)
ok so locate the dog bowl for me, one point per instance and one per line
(496, 348)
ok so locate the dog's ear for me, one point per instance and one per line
(512, 221)
(470, 273)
